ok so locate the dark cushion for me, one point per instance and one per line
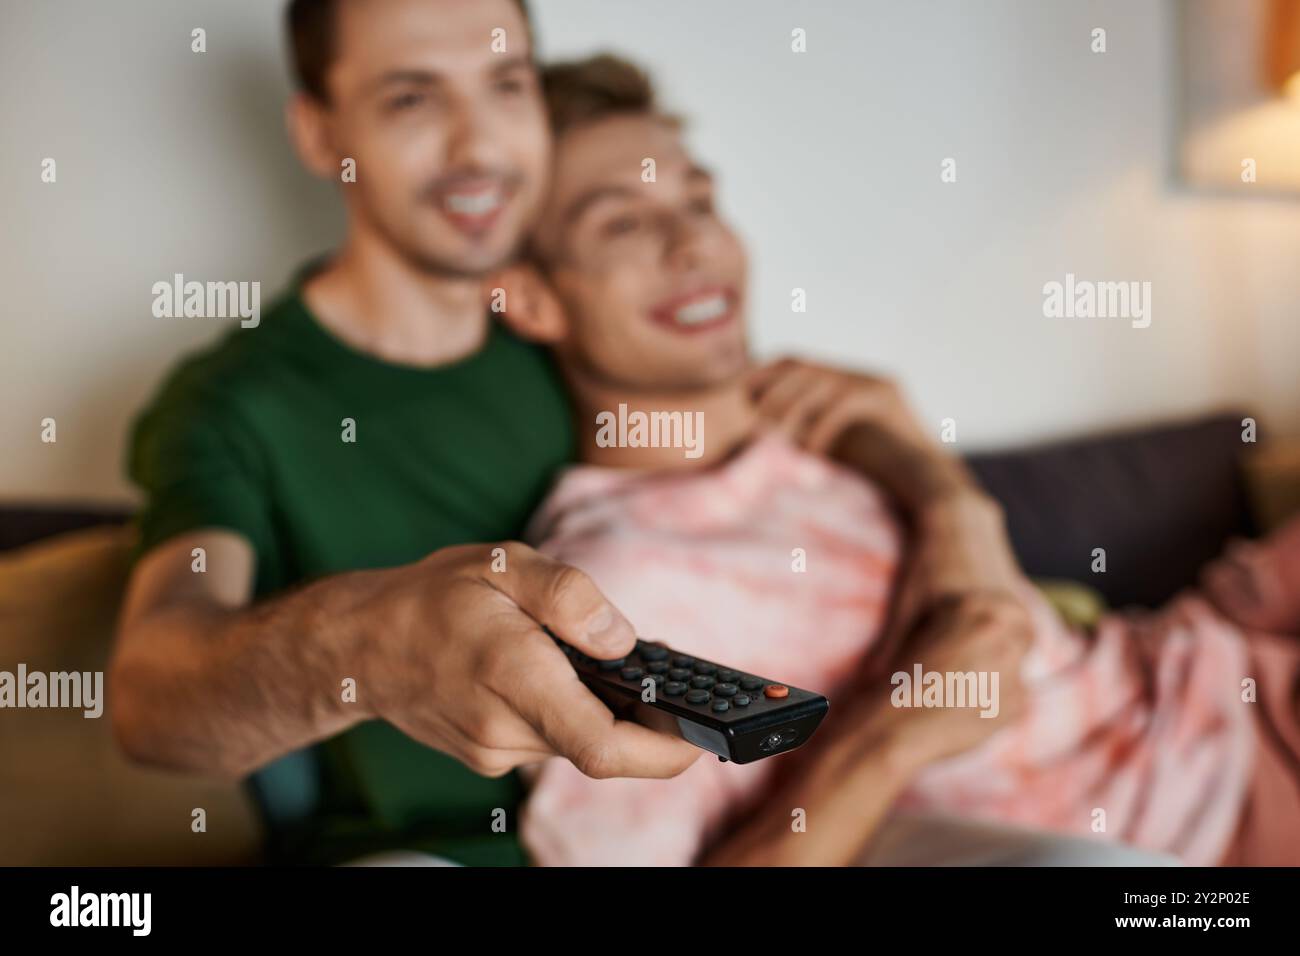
(1160, 501)
(23, 524)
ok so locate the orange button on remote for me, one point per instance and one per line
(776, 690)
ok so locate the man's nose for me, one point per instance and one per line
(470, 138)
(685, 245)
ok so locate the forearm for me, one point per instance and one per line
(912, 471)
(964, 543)
(844, 793)
(196, 686)
(961, 526)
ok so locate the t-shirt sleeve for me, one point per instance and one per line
(200, 466)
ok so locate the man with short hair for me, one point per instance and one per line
(312, 484)
(753, 551)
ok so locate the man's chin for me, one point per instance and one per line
(726, 369)
(476, 265)
(452, 256)
(701, 380)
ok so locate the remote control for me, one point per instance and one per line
(739, 716)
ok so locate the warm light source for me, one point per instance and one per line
(1282, 48)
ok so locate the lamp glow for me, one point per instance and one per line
(1291, 87)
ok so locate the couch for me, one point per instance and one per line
(1160, 501)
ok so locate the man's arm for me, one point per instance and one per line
(447, 650)
(201, 681)
(847, 779)
(958, 542)
(863, 421)
(844, 795)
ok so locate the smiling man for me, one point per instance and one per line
(372, 424)
(776, 561)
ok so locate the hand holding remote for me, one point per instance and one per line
(738, 716)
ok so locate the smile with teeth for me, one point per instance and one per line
(473, 204)
(702, 310)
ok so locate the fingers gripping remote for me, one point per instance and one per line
(738, 716)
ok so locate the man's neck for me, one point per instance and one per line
(378, 302)
(724, 416)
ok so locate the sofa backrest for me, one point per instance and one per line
(1160, 501)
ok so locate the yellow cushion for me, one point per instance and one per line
(1077, 604)
(67, 795)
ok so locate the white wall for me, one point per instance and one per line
(174, 162)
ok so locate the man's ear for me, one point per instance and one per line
(524, 300)
(308, 128)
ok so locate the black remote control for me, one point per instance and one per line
(738, 716)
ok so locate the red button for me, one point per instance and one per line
(776, 690)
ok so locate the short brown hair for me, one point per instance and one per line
(601, 86)
(310, 25)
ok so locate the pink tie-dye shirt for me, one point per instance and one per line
(781, 563)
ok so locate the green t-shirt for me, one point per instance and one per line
(249, 435)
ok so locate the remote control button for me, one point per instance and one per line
(697, 696)
(702, 681)
(704, 667)
(777, 691)
(750, 683)
(679, 673)
(631, 673)
(613, 665)
(653, 652)
(683, 660)
(719, 705)
(726, 690)
(674, 688)
(659, 679)
(741, 700)
(657, 667)
(728, 677)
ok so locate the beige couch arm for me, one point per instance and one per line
(67, 796)
(1273, 482)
